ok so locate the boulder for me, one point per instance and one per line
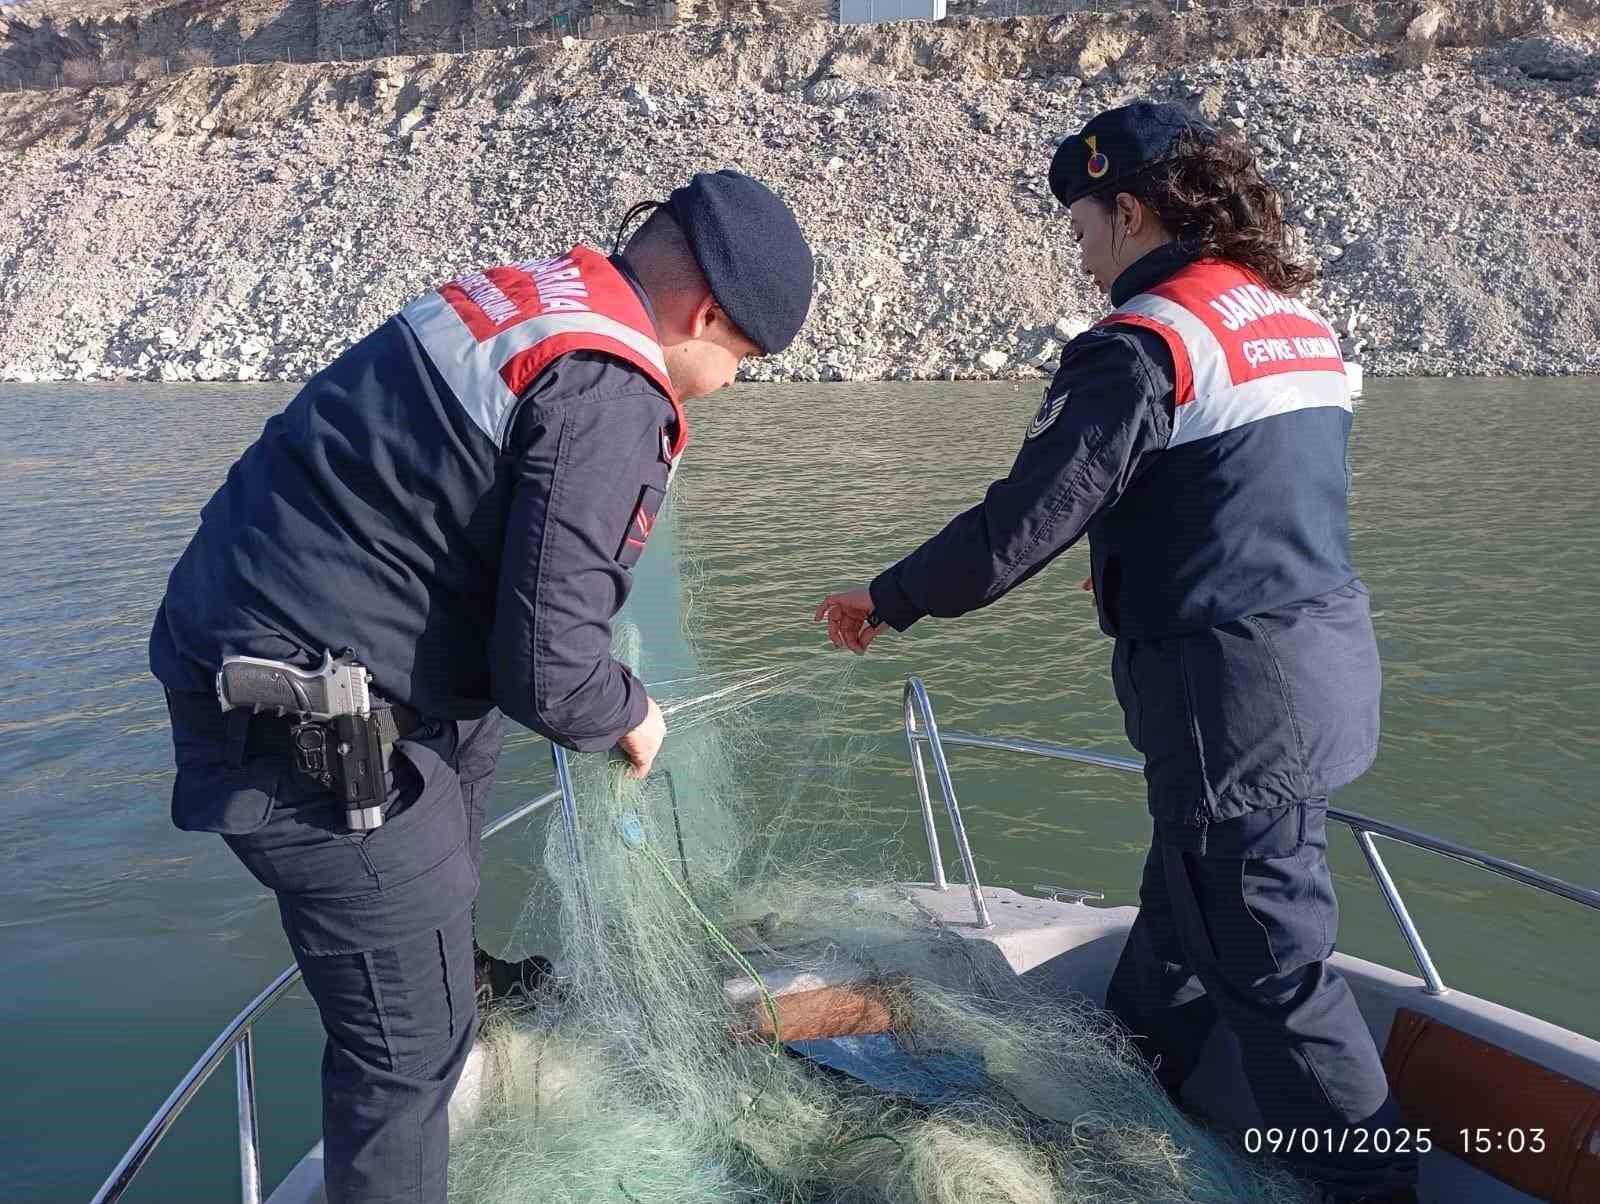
(1550, 58)
(831, 91)
(1067, 329)
(639, 101)
(1048, 351)
(1422, 36)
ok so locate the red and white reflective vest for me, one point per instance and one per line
(491, 333)
(1240, 351)
(1245, 508)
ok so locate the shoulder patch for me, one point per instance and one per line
(1049, 411)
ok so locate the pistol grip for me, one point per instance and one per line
(248, 685)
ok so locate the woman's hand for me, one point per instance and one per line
(847, 620)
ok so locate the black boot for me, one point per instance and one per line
(496, 981)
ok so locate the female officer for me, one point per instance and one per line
(1198, 434)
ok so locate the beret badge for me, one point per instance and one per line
(1098, 164)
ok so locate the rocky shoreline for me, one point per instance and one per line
(249, 223)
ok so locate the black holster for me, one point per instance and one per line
(346, 755)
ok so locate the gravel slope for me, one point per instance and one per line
(249, 223)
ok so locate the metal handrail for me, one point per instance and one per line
(915, 700)
(1363, 827)
(236, 1038)
(587, 916)
(1378, 827)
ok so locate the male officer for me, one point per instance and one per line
(457, 500)
(1198, 434)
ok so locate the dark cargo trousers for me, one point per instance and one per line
(1243, 941)
(1246, 729)
(381, 926)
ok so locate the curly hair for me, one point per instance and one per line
(1210, 193)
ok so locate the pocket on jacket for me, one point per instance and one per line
(1245, 721)
(1215, 729)
(1328, 656)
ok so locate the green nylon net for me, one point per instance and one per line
(698, 897)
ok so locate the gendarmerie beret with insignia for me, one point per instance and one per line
(1116, 144)
(751, 252)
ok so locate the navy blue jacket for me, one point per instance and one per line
(373, 514)
(1247, 718)
(1077, 459)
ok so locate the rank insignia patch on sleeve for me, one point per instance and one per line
(1049, 411)
(640, 526)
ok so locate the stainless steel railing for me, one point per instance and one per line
(1363, 827)
(916, 702)
(236, 1039)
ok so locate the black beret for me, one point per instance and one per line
(751, 252)
(1116, 144)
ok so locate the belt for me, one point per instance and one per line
(260, 734)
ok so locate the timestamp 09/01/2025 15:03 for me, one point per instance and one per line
(1274, 1140)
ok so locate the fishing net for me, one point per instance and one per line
(744, 1015)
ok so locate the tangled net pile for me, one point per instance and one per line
(647, 1080)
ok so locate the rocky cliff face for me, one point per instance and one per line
(250, 222)
(37, 43)
(42, 43)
